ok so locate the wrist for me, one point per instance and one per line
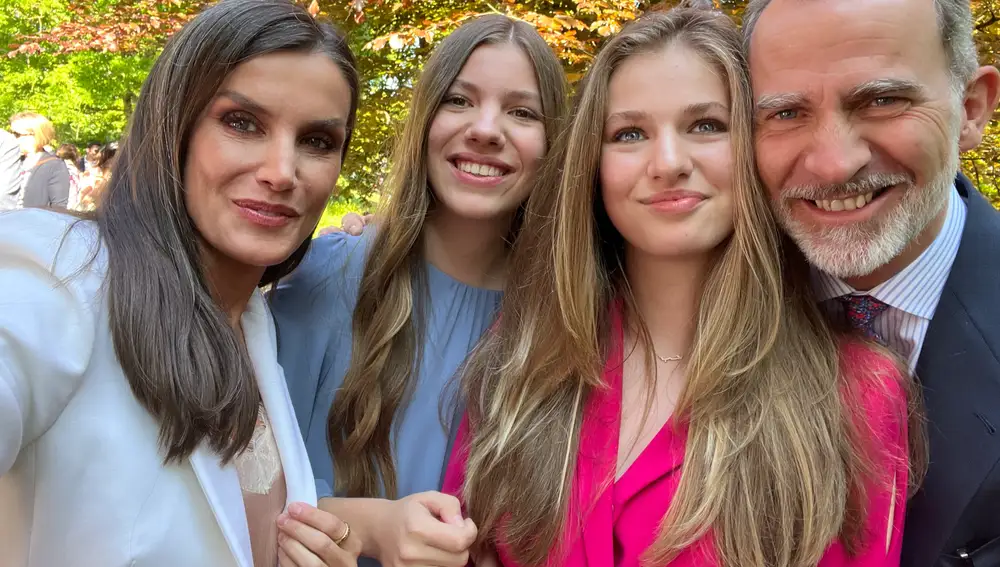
(366, 516)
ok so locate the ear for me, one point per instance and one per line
(980, 101)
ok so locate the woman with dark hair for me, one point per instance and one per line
(144, 418)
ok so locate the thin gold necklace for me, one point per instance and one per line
(674, 358)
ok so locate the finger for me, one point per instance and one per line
(298, 554)
(449, 538)
(321, 520)
(423, 554)
(443, 506)
(316, 542)
(284, 560)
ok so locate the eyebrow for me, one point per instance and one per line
(696, 109)
(861, 93)
(704, 108)
(516, 94)
(780, 101)
(628, 116)
(881, 87)
(256, 108)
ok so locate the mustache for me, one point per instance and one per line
(867, 183)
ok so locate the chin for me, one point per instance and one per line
(261, 256)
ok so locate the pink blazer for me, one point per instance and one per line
(618, 521)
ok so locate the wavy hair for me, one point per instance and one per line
(387, 323)
(774, 464)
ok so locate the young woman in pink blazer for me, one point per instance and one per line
(661, 388)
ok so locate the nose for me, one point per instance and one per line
(278, 167)
(486, 128)
(837, 153)
(671, 161)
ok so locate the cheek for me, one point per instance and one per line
(617, 181)
(530, 145)
(319, 183)
(920, 145)
(774, 159)
(719, 167)
(440, 131)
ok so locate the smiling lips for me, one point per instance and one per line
(674, 201)
(845, 204)
(479, 169)
(851, 203)
(265, 214)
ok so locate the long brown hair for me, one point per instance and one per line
(774, 465)
(388, 324)
(182, 360)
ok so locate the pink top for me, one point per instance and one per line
(623, 522)
(262, 479)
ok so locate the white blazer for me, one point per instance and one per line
(82, 482)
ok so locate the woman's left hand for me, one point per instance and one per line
(308, 536)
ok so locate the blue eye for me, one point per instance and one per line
(630, 135)
(787, 114)
(708, 127)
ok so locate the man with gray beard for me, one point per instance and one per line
(862, 109)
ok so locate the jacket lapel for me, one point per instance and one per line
(221, 486)
(593, 504)
(960, 375)
(262, 345)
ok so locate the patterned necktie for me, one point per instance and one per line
(861, 313)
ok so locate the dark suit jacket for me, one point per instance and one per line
(957, 511)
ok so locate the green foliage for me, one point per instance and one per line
(87, 95)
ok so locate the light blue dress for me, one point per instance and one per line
(313, 308)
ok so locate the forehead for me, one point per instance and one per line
(499, 66)
(666, 79)
(312, 80)
(808, 45)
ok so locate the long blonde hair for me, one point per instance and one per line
(774, 465)
(388, 322)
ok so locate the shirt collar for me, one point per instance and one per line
(917, 288)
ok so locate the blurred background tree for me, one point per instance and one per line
(81, 63)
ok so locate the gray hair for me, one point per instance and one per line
(954, 18)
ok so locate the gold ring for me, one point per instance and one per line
(347, 532)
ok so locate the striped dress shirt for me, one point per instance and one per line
(912, 295)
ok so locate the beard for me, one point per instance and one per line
(860, 249)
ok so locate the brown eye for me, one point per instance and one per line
(240, 122)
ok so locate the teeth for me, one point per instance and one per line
(479, 169)
(846, 204)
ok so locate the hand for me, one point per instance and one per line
(425, 529)
(307, 537)
(351, 223)
(355, 224)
